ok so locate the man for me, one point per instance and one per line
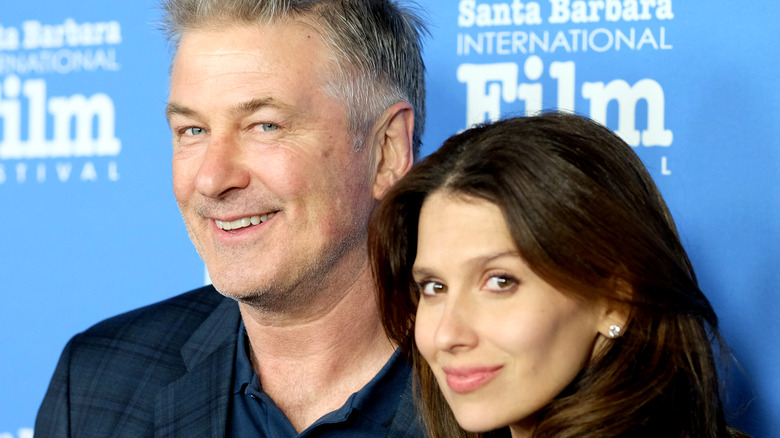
(290, 119)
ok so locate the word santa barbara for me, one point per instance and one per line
(518, 13)
(70, 47)
(36, 35)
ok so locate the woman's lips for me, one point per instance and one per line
(467, 379)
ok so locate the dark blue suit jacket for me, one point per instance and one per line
(164, 370)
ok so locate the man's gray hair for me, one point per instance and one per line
(375, 46)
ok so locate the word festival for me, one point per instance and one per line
(22, 172)
(518, 13)
(82, 129)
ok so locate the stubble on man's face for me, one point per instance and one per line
(256, 137)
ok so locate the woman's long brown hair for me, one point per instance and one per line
(586, 216)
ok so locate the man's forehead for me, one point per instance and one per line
(303, 23)
(249, 39)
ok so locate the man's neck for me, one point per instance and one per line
(311, 361)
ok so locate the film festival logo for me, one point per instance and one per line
(48, 137)
(554, 27)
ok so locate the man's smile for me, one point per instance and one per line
(243, 222)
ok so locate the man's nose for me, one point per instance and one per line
(222, 168)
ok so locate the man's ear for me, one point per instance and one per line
(393, 154)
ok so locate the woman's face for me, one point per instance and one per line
(501, 341)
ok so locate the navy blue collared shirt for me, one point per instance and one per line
(367, 413)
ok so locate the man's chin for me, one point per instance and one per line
(234, 280)
(256, 297)
(232, 290)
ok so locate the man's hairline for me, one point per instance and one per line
(337, 71)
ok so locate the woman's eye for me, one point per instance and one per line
(501, 283)
(268, 127)
(431, 288)
(194, 131)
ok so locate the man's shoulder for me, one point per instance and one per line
(154, 331)
(187, 309)
(109, 377)
(151, 344)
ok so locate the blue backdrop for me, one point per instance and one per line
(89, 227)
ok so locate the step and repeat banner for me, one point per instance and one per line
(89, 227)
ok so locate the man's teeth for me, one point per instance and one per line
(243, 222)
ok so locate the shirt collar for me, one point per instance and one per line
(377, 400)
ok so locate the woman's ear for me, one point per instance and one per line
(393, 147)
(615, 313)
(614, 323)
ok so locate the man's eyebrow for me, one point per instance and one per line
(238, 109)
(250, 106)
(174, 109)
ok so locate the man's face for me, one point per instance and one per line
(272, 193)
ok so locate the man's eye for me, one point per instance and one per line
(431, 288)
(268, 127)
(194, 131)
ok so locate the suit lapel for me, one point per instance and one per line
(198, 402)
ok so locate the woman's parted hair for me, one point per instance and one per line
(375, 45)
(586, 216)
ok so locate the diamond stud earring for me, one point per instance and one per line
(614, 331)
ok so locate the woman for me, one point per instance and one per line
(541, 275)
